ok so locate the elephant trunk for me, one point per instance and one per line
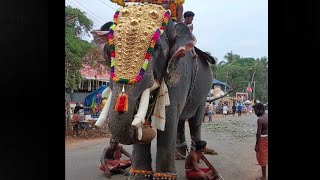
(126, 126)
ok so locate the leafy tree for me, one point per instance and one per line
(244, 71)
(75, 47)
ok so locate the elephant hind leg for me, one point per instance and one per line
(181, 144)
(195, 130)
(195, 123)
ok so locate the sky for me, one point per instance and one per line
(220, 26)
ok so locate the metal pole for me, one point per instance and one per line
(254, 90)
(225, 86)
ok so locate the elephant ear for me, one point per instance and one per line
(101, 39)
(204, 55)
(181, 40)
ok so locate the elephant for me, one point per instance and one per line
(188, 82)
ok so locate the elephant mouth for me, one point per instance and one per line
(152, 101)
(141, 115)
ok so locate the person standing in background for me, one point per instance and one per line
(261, 146)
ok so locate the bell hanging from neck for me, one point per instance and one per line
(122, 101)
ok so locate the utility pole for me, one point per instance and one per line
(250, 93)
(225, 87)
(254, 90)
(252, 78)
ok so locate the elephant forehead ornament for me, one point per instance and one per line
(132, 38)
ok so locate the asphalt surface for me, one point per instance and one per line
(232, 137)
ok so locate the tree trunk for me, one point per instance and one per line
(68, 122)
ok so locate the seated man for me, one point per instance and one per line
(188, 19)
(111, 162)
(193, 171)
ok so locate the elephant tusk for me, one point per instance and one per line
(139, 120)
(139, 133)
(105, 92)
(155, 85)
(104, 113)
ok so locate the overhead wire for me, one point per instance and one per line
(102, 20)
(88, 13)
(77, 6)
(107, 5)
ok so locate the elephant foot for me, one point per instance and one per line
(181, 152)
(160, 176)
(140, 174)
(146, 134)
(131, 177)
(210, 151)
(179, 156)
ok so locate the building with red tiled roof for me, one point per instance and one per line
(93, 77)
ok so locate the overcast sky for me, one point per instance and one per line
(220, 26)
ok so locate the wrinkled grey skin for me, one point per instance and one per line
(179, 82)
(194, 109)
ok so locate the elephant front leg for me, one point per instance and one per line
(181, 144)
(141, 162)
(166, 146)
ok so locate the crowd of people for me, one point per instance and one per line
(224, 109)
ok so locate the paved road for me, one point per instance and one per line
(232, 137)
(82, 161)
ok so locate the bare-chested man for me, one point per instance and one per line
(193, 171)
(111, 162)
(261, 147)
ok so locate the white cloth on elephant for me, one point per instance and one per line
(159, 113)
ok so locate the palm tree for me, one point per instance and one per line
(222, 63)
(230, 58)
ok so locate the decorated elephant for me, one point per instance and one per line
(155, 86)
